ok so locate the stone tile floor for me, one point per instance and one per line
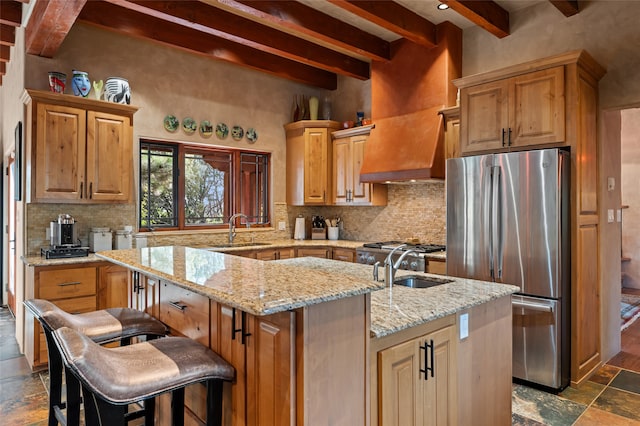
(611, 397)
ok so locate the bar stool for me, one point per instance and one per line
(103, 326)
(113, 378)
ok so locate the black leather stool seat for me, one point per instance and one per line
(101, 326)
(125, 374)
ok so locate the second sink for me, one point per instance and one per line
(418, 281)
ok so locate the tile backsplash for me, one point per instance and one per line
(413, 210)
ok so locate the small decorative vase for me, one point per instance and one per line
(80, 83)
(57, 81)
(116, 89)
(97, 89)
(313, 108)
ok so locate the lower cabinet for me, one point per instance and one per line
(437, 266)
(321, 252)
(275, 254)
(417, 381)
(75, 288)
(344, 255)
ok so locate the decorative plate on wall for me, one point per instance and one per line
(206, 128)
(252, 135)
(222, 131)
(189, 125)
(171, 123)
(237, 133)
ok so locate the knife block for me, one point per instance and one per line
(318, 233)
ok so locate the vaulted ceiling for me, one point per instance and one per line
(308, 41)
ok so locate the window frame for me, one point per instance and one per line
(181, 149)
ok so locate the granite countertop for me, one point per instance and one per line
(254, 286)
(37, 260)
(398, 308)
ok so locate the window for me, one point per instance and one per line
(185, 187)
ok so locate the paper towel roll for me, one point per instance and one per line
(299, 230)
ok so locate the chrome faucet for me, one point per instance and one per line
(232, 226)
(390, 268)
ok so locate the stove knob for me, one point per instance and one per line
(414, 266)
(404, 264)
(371, 260)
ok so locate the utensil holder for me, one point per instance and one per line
(333, 232)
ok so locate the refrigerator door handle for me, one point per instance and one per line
(488, 206)
(496, 225)
(541, 307)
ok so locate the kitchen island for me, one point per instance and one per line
(302, 333)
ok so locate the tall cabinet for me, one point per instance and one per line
(79, 150)
(309, 161)
(551, 102)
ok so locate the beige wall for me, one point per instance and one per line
(631, 196)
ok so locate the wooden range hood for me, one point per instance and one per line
(406, 94)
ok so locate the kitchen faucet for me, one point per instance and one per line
(232, 226)
(390, 268)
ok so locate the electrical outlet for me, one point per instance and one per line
(282, 225)
(610, 215)
(619, 215)
(464, 326)
(47, 234)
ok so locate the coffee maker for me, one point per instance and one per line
(63, 231)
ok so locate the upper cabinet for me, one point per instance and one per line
(309, 161)
(523, 110)
(80, 150)
(348, 152)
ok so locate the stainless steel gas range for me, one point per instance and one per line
(370, 253)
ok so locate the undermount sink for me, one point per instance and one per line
(417, 281)
(232, 245)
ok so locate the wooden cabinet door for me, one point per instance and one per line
(316, 165)
(186, 312)
(267, 254)
(229, 345)
(321, 252)
(537, 108)
(112, 286)
(59, 153)
(109, 157)
(288, 253)
(341, 170)
(271, 370)
(360, 192)
(484, 114)
(409, 396)
(344, 255)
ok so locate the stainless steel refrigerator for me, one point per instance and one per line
(508, 222)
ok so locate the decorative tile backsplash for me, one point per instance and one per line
(416, 210)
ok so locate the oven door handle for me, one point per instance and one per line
(541, 307)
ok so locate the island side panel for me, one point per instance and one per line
(332, 353)
(484, 360)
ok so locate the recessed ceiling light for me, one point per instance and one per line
(442, 6)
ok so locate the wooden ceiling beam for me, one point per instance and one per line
(220, 23)
(135, 24)
(10, 13)
(7, 35)
(486, 14)
(393, 17)
(567, 7)
(49, 24)
(304, 21)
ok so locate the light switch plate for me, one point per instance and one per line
(464, 326)
(47, 234)
(282, 225)
(610, 216)
(619, 215)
